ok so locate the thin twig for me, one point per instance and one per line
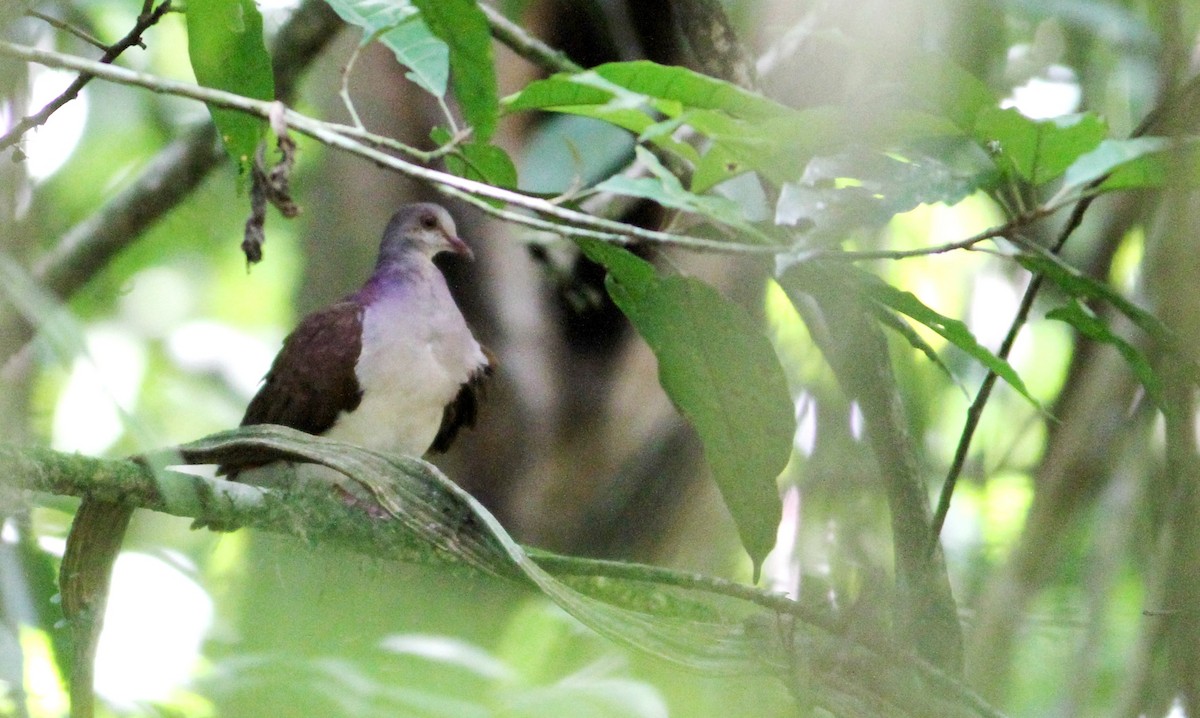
(336, 136)
(526, 45)
(133, 37)
(1007, 230)
(975, 411)
(71, 29)
(345, 86)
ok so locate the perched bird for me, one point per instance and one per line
(393, 366)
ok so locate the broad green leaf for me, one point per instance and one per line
(462, 25)
(398, 26)
(949, 90)
(1107, 157)
(953, 330)
(225, 44)
(690, 88)
(1178, 162)
(1038, 151)
(1080, 286)
(748, 131)
(1093, 327)
(723, 375)
(564, 90)
(845, 192)
(589, 95)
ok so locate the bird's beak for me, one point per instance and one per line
(459, 247)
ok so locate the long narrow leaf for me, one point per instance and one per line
(1093, 327)
(952, 330)
(225, 44)
(725, 378)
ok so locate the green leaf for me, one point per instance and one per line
(1080, 286)
(1177, 162)
(723, 375)
(952, 330)
(462, 25)
(1038, 151)
(433, 519)
(1093, 327)
(479, 161)
(665, 188)
(225, 44)
(690, 88)
(748, 131)
(1107, 157)
(949, 90)
(890, 320)
(398, 26)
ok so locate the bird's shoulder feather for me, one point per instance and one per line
(312, 379)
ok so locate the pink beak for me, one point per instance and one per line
(459, 247)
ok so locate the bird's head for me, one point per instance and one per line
(426, 228)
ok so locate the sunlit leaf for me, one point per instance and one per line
(850, 190)
(665, 188)
(724, 376)
(225, 44)
(689, 88)
(462, 25)
(1095, 328)
(1038, 150)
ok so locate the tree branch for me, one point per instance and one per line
(167, 180)
(350, 140)
(133, 37)
(526, 45)
(438, 528)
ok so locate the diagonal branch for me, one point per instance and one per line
(351, 140)
(1174, 113)
(134, 37)
(167, 179)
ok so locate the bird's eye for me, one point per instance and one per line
(428, 221)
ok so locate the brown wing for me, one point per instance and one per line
(465, 408)
(313, 380)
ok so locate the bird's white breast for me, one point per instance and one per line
(417, 352)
